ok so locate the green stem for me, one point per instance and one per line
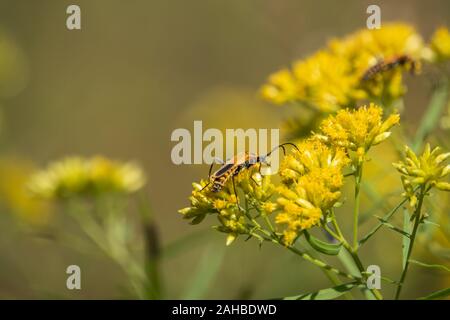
(320, 263)
(358, 177)
(114, 249)
(271, 238)
(353, 253)
(417, 217)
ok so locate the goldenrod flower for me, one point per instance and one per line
(312, 179)
(331, 78)
(359, 129)
(440, 44)
(426, 171)
(225, 206)
(322, 81)
(74, 176)
(282, 88)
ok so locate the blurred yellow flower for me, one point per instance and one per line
(322, 81)
(331, 78)
(282, 88)
(440, 44)
(74, 176)
(14, 174)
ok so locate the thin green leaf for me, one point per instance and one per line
(348, 263)
(426, 221)
(433, 266)
(437, 295)
(432, 115)
(385, 218)
(392, 227)
(206, 272)
(331, 249)
(405, 240)
(386, 279)
(325, 294)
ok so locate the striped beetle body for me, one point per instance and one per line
(389, 64)
(233, 166)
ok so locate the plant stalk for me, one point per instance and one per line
(417, 217)
(358, 177)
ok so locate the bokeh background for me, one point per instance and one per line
(135, 72)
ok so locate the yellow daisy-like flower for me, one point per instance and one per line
(359, 129)
(440, 44)
(74, 176)
(426, 170)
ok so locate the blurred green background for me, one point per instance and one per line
(135, 72)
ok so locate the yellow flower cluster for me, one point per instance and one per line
(426, 170)
(331, 78)
(357, 130)
(75, 176)
(321, 81)
(224, 204)
(311, 178)
(311, 182)
(440, 45)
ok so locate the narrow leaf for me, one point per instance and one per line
(426, 221)
(432, 266)
(405, 240)
(437, 295)
(385, 218)
(392, 227)
(349, 264)
(325, 294)
(322, 246)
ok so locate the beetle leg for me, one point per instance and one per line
(235, 192)
(209, 182)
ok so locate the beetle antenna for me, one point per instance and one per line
(282, 147)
